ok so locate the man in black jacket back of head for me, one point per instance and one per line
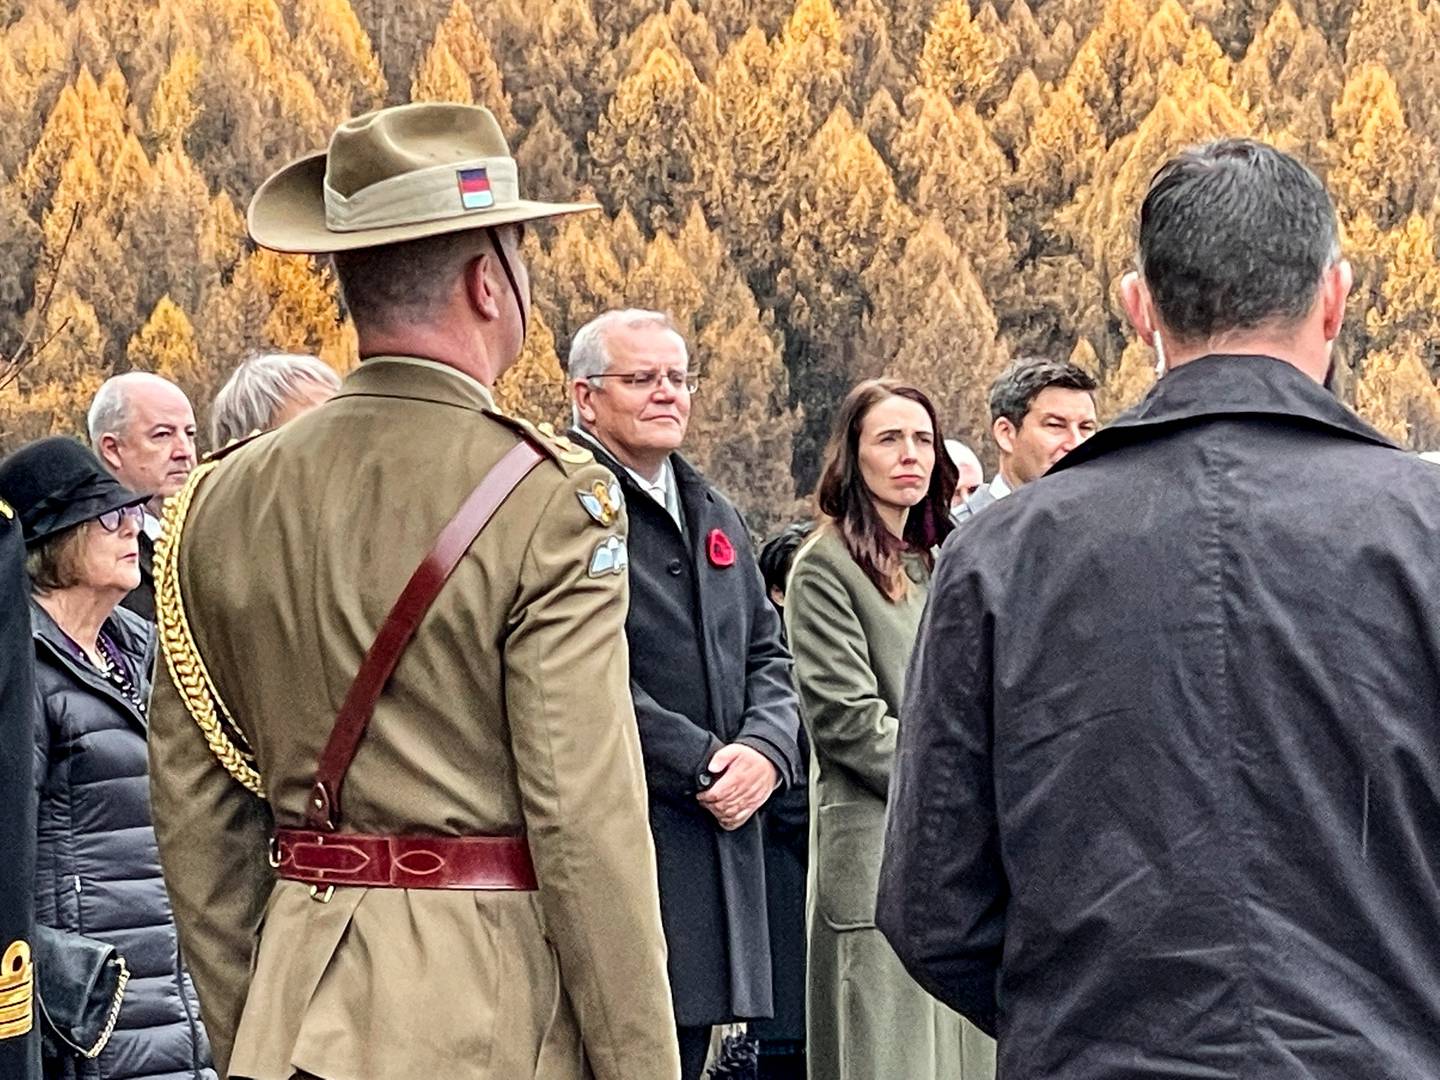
(1167, 786)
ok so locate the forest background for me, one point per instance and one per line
(818, 190)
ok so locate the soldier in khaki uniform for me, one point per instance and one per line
(501, 760)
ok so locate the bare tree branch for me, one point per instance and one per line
(31, 346)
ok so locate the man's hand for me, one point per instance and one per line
(748, 781)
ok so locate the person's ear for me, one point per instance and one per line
(481, 291)
(1004, 433)
(1339, 280)
(109, 450)
(584, 396)
(1135, 295)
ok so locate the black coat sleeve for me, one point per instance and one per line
(943, 891)
(771, 723)
(20, 772)
(673, 747)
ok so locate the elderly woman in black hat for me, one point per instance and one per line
(97, 871)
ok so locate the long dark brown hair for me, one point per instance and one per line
(847, 504)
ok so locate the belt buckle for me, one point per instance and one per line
(322, 897)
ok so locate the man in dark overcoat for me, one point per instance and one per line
(1167, 789)
(708, 669)
(19, 1027)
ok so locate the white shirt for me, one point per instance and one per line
(665, 491)
(151, 525)
(998, 487)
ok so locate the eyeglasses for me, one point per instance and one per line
(649, 380)
(111, 519)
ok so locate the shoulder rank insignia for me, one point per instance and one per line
(610, 557)
(5, 511)
(569, 452)
(602, 502)
(17, 982)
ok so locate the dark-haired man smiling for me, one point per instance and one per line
(1040, 410)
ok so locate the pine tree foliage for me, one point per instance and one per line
(960, 60)
(816, 190)
(166, 346)
(648, 138)
(459, 66)
(534, 388)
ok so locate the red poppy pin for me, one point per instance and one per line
(719, 548)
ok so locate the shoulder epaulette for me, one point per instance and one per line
(558, 447)
(233, 445)
(182, 658)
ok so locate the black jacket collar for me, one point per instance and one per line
(132, 635)
(1222, 386)
(691, 485)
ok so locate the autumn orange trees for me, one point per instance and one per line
(817, 190)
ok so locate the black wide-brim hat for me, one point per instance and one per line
(57, 483)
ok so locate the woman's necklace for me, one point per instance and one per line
(112, 667)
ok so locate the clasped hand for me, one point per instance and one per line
(749, 778)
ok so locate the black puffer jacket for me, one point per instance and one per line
(97, 871)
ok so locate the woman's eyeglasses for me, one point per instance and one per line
(110, 520)
(649, 380)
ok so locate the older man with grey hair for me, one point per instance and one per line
(268, 389)
(143, 428)
(971, 472)
(709, 672)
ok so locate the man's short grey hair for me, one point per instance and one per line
(260, 387)
(108, 413)
(962, 455)
(588, 354)
(110, 410)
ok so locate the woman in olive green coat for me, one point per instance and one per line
(853, 609)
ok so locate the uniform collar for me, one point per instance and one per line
(417, 379)
(1223, 386)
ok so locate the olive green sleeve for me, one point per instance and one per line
(582, 785)
(849, 722)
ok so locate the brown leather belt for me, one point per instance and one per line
(326, 859)
(323, 857)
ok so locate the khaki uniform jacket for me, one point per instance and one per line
(509, 712)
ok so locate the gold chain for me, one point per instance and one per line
(114, 1014)
(182, 658)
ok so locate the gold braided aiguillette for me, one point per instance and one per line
(182, 658)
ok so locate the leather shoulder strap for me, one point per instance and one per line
(323, 810)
